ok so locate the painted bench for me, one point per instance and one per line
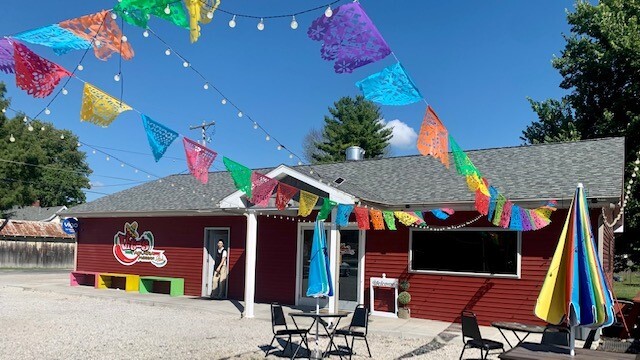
(176, 285)
(88, 278)
(130, 282)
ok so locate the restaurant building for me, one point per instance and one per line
(463, 262)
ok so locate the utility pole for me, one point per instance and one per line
(204, 128)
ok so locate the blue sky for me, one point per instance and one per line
(475, 63)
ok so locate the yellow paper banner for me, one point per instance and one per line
(307, 203)
(405, 218)
(100, 108)
(200, 11)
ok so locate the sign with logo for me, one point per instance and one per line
(70, 226)
(129, 247)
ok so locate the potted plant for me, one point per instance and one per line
(404, 298)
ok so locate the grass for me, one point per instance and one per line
(629, 287)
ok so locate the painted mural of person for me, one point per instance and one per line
(219, 288)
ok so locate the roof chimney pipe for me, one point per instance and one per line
(354, 153)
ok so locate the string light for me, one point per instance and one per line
(185, 64)
(30, 128)
(64, 91)
(12, 139)
(167, 10)
(224, 101)
(167, 52)
(42, 128)
(294, 23)
(124, 38)
(145, 33)
(625, 199)
(255, 125)
(279, 147)
(61, 137)
(267, 138)
(232, 22)
(328, 13)
(261, 24)
(47, 111)
(97, 43)
(114, 15)
(80, 67)
(206, 86)
(210, 15)
(116, 77)
(239, 113)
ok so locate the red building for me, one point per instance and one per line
(495, 272)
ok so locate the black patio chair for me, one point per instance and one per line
(470, 329)
(359, 321)
(555, 335)
(277, 322)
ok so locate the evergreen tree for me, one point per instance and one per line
(600, 66)
(352, 121)
(58, 170)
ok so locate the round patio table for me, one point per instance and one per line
(320, 318)
(516, 327)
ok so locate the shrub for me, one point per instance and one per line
(404, 285)
(404, 298)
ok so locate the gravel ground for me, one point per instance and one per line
(45, 325)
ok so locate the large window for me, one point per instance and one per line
(476, 252)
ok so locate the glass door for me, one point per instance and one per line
(349, 265)
(304, 244)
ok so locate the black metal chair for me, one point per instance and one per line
(555, 335)
(277, 321)
(359, 321)
(470, 329)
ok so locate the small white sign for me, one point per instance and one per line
(384, 282)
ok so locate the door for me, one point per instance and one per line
(211, 238)
(305, 238)
(350, 269)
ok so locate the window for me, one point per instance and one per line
(468, 252)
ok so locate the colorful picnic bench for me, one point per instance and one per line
(131, 282)
(88, 278)
(147, 284)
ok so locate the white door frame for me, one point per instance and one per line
(301, 300)
(207, 273)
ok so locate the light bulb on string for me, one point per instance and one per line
(239, 113)
(261, 24)
(232, 22)
(267, 137)
(62, 137)
(210, 15)
(124, 38)
(42, 128)
(185, 64)
(80, 67)
(116, 77)
(255, 125)
(97, 42)
(167, 10)
(4, 110)
(224, 101)
(65, 91)
(47, 111)
(290, 156)
(121, 165)
(328, 12)
(108, 158)
(206, 86)
(93, 152)
(279, 147)
(114, 15)
(294, 23)
(299, 163)
(25, 119)
(12, 139)
(30, 128)
(167, 52)
(145, 33)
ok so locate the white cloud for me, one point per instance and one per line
(403, 135)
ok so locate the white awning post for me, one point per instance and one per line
(334, 256)
(250, 264)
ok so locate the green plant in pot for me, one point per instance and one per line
(404, 298)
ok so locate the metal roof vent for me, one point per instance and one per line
(338, 180)
(354, 153)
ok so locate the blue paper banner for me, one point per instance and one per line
(60, 40)
(159, 136)
(391, 86)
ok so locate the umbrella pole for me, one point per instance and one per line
(572, 341)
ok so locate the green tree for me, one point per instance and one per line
(600, 66)
(59, 170)
(352, 121)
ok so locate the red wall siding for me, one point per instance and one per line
(441, 297)
(182, 238)
(276, 260)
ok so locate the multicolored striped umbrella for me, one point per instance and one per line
(575, 291)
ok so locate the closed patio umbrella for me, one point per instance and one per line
(575, 291)
(319, 284)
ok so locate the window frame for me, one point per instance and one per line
(517, 275)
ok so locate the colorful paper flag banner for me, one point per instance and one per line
(53, 36)
(138, 12)
(482, 203)
(240, 174)
(434, 137)
(377, 219)
(505, 218)
(261, 188)
(34, 74)
(344, 211)
(405, 218)
(307, 203)
(464, 166)
(497, 215)
(391, 86)
(362, 217)
(199, 159)
(284, 194)
(198, 10)
(516, 218)
(100, 108)
(103, 32)
(160, 137)
(493, 199)
(389, 219)
(438, 213)
(7, 62)
(349, 38)
(325, 210)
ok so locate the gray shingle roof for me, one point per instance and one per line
(537, 172)
(34, 213)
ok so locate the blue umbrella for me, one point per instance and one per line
(319, 284)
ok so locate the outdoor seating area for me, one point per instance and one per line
(128, 282)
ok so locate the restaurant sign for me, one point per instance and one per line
(129, 247)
